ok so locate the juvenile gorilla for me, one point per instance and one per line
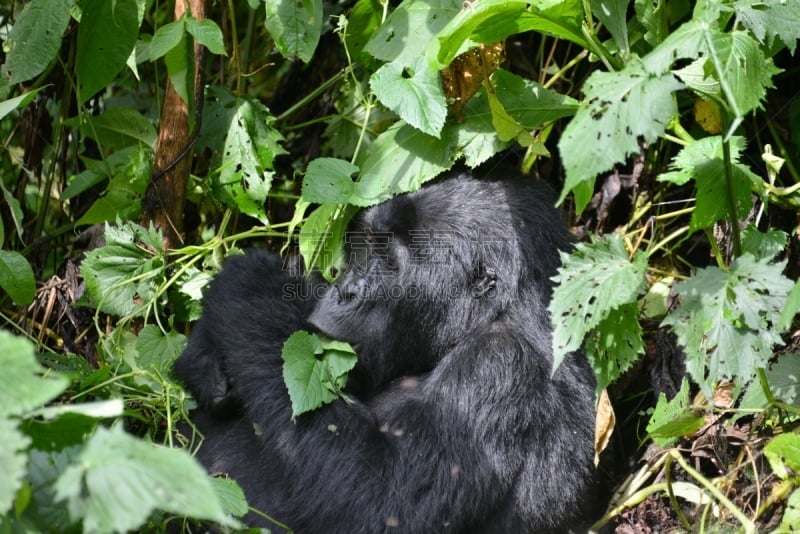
(455, 423)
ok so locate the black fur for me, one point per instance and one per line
(456, 424)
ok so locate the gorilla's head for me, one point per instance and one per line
(425, 269)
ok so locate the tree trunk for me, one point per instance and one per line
(166, 195)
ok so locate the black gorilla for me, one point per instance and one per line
(456, 424)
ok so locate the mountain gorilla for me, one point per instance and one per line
(455, 423)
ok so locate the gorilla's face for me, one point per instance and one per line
(413, 283)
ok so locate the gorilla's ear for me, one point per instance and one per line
(484, 282)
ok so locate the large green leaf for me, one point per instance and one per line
(106, 37)
(488, 21)
(125, 272)
(724, 319)
(593, 281)
(244, 155)
(35, 39)
(771, 19)
(315, 370)
(620, 108)
(120, 480)
(409, 29)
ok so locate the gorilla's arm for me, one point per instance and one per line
(252, 306)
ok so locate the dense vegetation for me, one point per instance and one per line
(145, 141)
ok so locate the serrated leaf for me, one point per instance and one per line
(120, 480)
(245, 154)
(615, 344)
(723, 319)
(158, 350)
(106, 37)
(790, 309)
(488, 21)
(329, 181)
(763, 245)
(44, 468)
(16, 277)
(314, 372)
(592, 281)
(770, 20)
(207, 33)
(230, 496)
(619, 109)
(35, 39)
(13, 460)
(410, 27)
(475, 137)
(295, 26)
(697, 153)
(414, 92)
(783, 378)
(24, 384)
(673, 419)
(125, 272)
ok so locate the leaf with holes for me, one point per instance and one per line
(592, 282)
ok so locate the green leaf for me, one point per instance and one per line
(207, 33)
(783, 453)
(619, 109)
(180, 69)
(44, 468)
(245, 154)
(7, 106)
(16, 277)
(791, 309)
(118, 128)
(409, 28)
(362, 23)
(402, 159)
(713, 190)
(488, 21)
(295, 26)
(613, 15)
(230, 496)
(414, 92)
(783, 378)
(673, 419)
(528, 103)
(723, 319)
(696, 154)
(592, 282)
(166, 38)
(329, 181)
(13, 461)
(322, 238)
(158, 350)
(24, 384)
(126, 272)
(475, 136)
(315, 370)
(791, 515)
(122, 199)
(615, 344)
(106, 37)
(763, 245)
(770, 20)
(120, 480)
(35, 39)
